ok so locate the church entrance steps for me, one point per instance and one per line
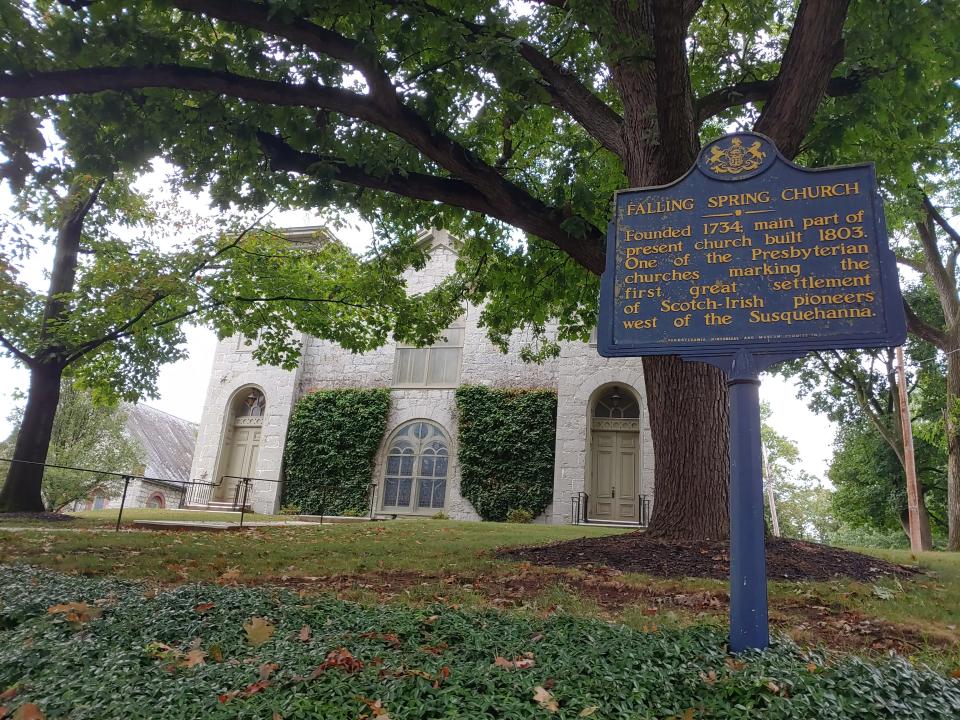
(613, 523)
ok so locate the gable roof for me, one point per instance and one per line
(167, 441)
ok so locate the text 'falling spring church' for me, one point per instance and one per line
(603, 454)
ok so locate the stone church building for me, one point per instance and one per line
(604, 454)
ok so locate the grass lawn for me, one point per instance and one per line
(417, 563)
(108, 518)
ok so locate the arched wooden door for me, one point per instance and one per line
(615, 457)
(241, 444)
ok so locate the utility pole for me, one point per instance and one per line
(773, 501)
(909, 463)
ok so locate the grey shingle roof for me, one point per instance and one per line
(167, 441)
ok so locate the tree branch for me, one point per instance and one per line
(944, 283)
(674, 93)
(814, 49)
(569, 94)
(758, 90)
(283, 157)
(315, 37)
(912, 264)
(941, 220)
(528, 212)
(19, 354)
(923, 329)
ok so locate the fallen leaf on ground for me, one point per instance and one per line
(28, 711)
(376, 707)
(194, 657)
(544, 698)
(304, 633)
(259, 630)
(77, 612)
(434, 649)
(266, 670)
(231, 575)
(521, 663)
(588, 711)
(709, 677)
(391, 639)
(340, 658)
(10, 692)
(203, 607)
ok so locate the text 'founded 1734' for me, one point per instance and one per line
(750, 251)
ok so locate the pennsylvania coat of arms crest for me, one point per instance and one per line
(735, 158)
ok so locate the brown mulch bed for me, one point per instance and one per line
(640, 553)
(46, 516)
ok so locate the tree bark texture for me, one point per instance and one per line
(691, 449)
(953, 449)
(21, 489)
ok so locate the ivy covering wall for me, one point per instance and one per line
(506, 449)
(331, 448)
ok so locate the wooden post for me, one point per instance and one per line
(774, 519)
(909, 463)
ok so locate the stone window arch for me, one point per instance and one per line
(156, 502)
(617, 403)
(250, 403)
(417, 467)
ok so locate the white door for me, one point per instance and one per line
(244, 451)
(614, 474)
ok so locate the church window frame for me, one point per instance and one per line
(416, 473)
(434, 366)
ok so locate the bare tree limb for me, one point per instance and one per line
(17, 352)
(813, 51)
(759, 90)
(674, 93)
(923, 329)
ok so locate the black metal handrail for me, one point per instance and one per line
(127, 477)
(245, 483)
(579, 504)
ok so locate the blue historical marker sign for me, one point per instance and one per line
(747, 260)
(749, 251)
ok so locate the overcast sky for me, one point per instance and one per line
(183, 385)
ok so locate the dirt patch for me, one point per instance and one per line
(639, 553)
(843, 629)
(45, 516)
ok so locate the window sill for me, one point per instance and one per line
(423, 387)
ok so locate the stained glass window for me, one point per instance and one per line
(417, 465)
(617, 403)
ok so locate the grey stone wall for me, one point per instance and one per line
(577, 375)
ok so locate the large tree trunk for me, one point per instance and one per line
(953, 449)
(690, 449)
(21, 491)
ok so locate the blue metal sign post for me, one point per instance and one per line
(746, 261)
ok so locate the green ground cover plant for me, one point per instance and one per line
(456, 561)
(101, 648)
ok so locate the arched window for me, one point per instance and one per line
(251, 404)
(617, 403)
(417, 465)
(156, 501)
